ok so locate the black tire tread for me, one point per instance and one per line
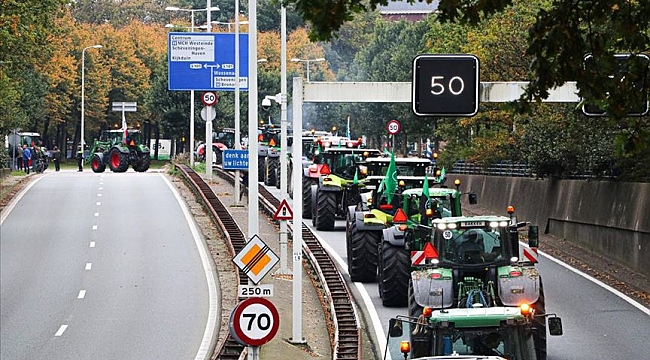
(326, 212)
(394, 275)
(363, 253)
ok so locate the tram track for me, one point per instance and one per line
(337, 303)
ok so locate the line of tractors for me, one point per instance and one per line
(464, 279)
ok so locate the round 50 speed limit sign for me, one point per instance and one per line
(209, 98)
(393, 127)
(254, 321)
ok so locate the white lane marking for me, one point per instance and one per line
(99, 195)
(89, 266)
(367, 300)
(96, 214)
(100, 188)
(82, 294)
(631, 301)
(14, 201)
(92, 244)
(204, 351)
(98, 203)
(94, 227)
(61, 330)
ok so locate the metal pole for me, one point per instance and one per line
(208, 123)
(253, 191)
(283, 139)
(192, 109)
(237, 104)
(307, 62)
(83, 94)
(297, 213)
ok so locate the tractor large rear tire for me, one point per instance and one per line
(306, 197)
(363, 247)
(540, 323)
(270, 177)
(117, 161)
(394, 275)
(218, 155)
(97, 165)
(144, 161)
(326, 212)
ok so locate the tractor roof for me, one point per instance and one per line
(400, 161)
(476, 317)
(433, 191)
(472, 221)
(344, 150)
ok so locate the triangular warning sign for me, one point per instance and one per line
(284, 211)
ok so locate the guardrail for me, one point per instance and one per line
(503, 168)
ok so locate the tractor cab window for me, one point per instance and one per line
(478, 341)
(473, 245)
(441, 206)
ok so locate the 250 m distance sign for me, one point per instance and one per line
(445, 85)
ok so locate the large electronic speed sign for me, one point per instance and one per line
(445, 85)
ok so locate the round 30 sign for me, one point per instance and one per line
(254, 321)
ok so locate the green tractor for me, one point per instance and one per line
(339, 185)
(411, 224)
(366, 220)
(469, 333)
(476, 261)
(268, 153)
(118, 149)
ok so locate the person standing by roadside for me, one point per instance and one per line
(80, 159)
(19, 158)
(27, 156)
(56, 157)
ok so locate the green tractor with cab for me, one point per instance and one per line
(366, 220)
(119, 149)
(339, 185)
(468, 333)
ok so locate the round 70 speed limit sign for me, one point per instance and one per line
(393, 127)
(254, 321)
(209, 98)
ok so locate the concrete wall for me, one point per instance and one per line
(609, 218)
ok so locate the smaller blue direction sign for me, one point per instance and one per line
(235, 160)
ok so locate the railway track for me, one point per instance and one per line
(343, 316)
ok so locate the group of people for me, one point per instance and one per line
(29, 155)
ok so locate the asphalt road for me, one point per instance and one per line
(103, 266)
(598, 322)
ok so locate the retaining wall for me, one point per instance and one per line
(609, 218)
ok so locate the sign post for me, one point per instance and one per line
(209, 99)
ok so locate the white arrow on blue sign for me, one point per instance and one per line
(235, 159)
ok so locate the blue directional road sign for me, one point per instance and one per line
(235, 160)
(206, 61)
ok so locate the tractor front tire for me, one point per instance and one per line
(394, 275)
(326, 211)
(97, 165)
(261, 168)
(270, 177)
(539, 322)
(117, 161)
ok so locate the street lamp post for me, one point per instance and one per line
(207, 141)
(307, 62)
(83, 92)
